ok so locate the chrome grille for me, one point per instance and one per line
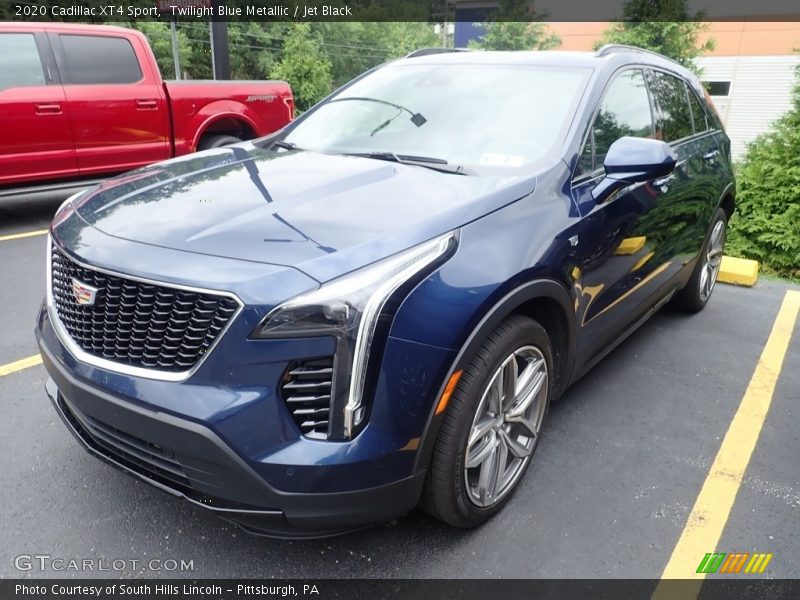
(306, 389)
(137, 324)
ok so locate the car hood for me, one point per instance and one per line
(323, 214)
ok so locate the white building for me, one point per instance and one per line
(749, 92)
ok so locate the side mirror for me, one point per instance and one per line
(633, 160)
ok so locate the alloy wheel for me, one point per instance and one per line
(506, 426)
(712, 260)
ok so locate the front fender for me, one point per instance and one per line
(504, 260)
(539, 288)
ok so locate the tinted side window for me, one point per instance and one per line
(718, 88)
(675, 120)
(96, 59)
(624, 110)
(698, 113)
(19, 61)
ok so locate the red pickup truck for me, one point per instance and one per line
(82, 102)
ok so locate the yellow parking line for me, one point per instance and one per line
(17, 236)
(19, 365)
(707, 520)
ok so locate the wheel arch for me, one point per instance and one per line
(727, 200)
(236, 125)
(544, 300)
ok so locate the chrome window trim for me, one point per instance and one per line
(109, 365)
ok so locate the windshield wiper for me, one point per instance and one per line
(430, 162)
(416, 118)
(284, 145)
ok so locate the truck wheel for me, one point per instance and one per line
(215, 141)
(492, 425)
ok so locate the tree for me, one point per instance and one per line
(663, 26)
(401, 37)
(160, 38)
(255, 48)
(304, 66)
(355, 47)
(765, 224)
(514, 27)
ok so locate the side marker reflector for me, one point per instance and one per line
(448, 391)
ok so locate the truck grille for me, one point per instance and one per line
(306, 389)
(137, 324)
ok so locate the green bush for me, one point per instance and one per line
(766, 225)
(304, 66)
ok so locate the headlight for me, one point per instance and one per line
(349, 309)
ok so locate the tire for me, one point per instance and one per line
(694, 297)
(452, 491)
(215, 141)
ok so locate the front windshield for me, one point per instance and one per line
(479, 115)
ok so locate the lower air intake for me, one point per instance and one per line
(306, 389)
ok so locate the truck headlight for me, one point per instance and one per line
(349, 309)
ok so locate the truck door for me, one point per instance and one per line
(116, 102)
(35, 135)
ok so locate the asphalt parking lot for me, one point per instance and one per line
(625, 456)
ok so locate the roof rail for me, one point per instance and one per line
(429, 51)
(614, 48)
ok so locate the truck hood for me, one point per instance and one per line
(323, 214)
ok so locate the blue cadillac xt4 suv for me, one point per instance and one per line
(373, 308)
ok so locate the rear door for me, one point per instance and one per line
(117, 106)
(35, 138)
(688, 200)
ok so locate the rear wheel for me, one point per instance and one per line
(215, 141)
(492, 425)
(695, 296)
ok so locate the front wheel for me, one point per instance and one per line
(492, 425)
(695, 296)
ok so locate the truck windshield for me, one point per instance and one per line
(474, 115)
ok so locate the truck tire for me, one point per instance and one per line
(215, 141)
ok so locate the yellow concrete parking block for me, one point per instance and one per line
(739, 271)
(630, 246)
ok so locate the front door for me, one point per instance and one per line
(36, 139)
(116, 103)
(622, 249)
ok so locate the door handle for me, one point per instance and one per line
(147, 104)
(48, 109)
(711, 154)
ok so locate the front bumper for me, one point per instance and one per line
(187, 459)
